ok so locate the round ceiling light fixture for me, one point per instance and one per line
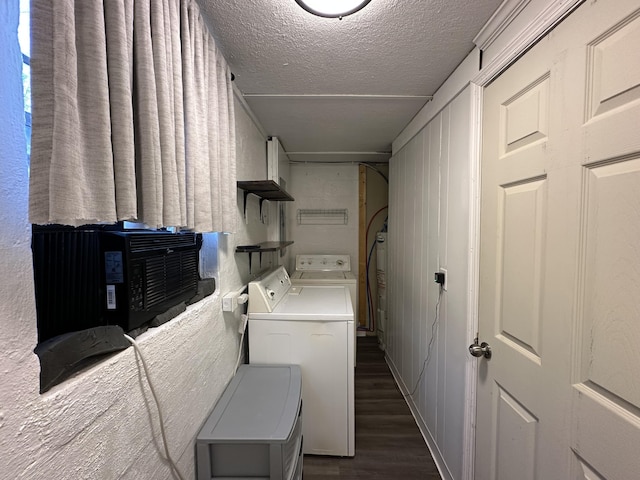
(332, 8)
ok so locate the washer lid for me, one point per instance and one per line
(331, 303)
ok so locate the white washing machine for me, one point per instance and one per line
(311, 326)
(329, 270)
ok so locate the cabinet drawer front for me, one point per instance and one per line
(291, 450)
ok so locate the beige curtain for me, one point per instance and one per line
(132, 116)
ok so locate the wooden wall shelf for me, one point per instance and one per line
(265, 190)
(261, 248)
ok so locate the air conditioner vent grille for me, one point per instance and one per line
(170, 276)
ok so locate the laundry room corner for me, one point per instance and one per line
(328, 188)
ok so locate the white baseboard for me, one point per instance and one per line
(426, 434)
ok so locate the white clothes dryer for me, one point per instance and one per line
(311, 326)
(329, 270)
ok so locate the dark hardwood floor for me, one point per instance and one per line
(388, 443)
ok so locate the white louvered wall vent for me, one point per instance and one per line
(338, 216)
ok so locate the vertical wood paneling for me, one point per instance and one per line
(404, 282)
(398, 257)
(391, 259)
(395, 230)
(416, 287)
(459, 180)
(407, 216)
(442, 262)
(425, 277)
(429, 228)
(412, 249)
(431, 369)
(444, 186)
(428, 213)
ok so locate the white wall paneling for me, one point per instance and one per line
(430, 185)
(451, 240)
(456, 82)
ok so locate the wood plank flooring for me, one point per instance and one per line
(389, 445)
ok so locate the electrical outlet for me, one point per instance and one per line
(229, 302)
(445, 285)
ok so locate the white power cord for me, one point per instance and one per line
(172, 463)
(242, 330)
(430, 346)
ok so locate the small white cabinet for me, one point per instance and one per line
(255, 429)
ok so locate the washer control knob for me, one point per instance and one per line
(340, 262)
(270, 293)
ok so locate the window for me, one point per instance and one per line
(25, 47)
(92, 281)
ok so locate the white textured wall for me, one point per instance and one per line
(251, 154)
(97, 424)
(324, 186)
(428, 229)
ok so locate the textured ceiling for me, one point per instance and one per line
(332, 86)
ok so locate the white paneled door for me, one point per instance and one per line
(560, 255)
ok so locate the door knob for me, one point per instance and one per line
(482, 350)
